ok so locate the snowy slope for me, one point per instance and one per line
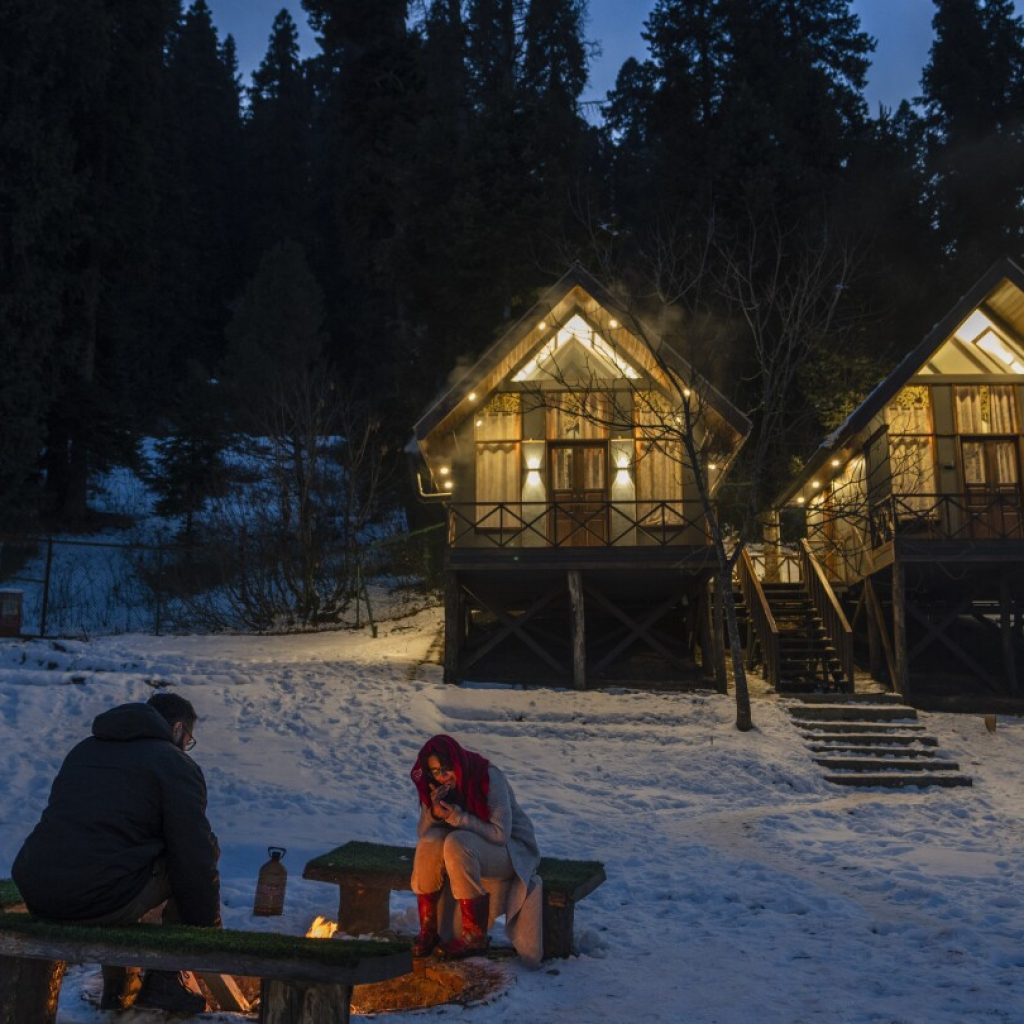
(741, 886)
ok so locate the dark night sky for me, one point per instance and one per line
(901, 27)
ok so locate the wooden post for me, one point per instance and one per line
(1006, 631)
(899, 630)
(453, 627)
(771, 532)
(29, 990)
(579, 639)
(876, 667)
(707, 657)
(290, 1002)
(718, 640)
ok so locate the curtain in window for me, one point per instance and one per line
(659, 478)
(497, 480)
(579, 417)
(910, 412)
(500, 419)
(985, 409)
(913, 473)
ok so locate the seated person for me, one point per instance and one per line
(125, 831)
(471, 827)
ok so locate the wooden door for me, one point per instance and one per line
(579, 489)
(992, 486)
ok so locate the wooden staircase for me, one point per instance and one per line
(807, 659)
(872, 740)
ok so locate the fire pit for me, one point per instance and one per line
(432, 982)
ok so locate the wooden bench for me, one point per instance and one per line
(366, 873)
(303, 981)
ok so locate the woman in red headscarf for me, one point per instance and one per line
(471, 828)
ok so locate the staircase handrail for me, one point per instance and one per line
(761, 617)
(833, 618)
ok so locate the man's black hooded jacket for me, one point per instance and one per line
(122, 798)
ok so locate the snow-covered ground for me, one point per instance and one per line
(741, 887)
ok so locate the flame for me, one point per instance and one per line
(321, 928)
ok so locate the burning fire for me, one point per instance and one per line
(321, 928)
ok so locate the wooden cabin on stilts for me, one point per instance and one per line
(577, 546)
(914, 508)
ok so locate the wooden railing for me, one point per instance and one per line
(947, 517)
(574, 524)
(826, 604)
(776, 563)
(762, 620)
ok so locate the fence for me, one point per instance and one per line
(75, 587)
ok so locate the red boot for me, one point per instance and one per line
(426, 904)
(474, 930)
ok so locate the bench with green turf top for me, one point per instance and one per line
(304, 981)
(366, 873)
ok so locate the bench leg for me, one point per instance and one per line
(559, 914)
(29, 990)
(363, 910)
(291, 1002)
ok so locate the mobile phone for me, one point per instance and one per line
(441, 792)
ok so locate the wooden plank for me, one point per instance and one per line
(29, 990)
(579, 637)
(225, 991)
(127, 951)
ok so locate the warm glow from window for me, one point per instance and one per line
(991, 343)
(974, 325)
(579, 330)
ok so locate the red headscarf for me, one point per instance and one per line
(471, 774)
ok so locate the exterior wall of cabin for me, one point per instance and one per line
(943, 461)
(527, 469)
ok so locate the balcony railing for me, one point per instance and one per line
(564, 524)
(996, 516)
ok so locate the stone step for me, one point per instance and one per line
(849, 750)
(854, 698)
(860, 726)
(874, 739)
(895, 780)
(853, 712)
(886, 764)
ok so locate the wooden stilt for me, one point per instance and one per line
(876, 667)
(901, 677)
(454, 611)
(1006, 630)
(29, 990)
(579, 640)
(876, 615)
(707, 656)
(718, 641)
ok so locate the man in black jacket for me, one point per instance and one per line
(124, 831)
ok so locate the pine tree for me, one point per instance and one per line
(112, 91)
(201, 182)
(974, 101)
(278, 144)
(37, 193)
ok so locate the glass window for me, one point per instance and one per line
(985, 409)
(579, 416)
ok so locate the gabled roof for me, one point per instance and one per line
(577, 292)
(1000, 291)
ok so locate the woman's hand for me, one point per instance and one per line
(448, 813)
